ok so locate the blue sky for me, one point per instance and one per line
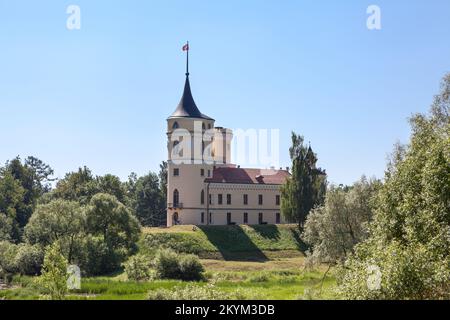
(100, 96)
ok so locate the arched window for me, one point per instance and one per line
(175, 125)
(176, 148)
(175, 218)
(203, 126)
(176, 198)
(202, 197)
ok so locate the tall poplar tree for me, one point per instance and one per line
(306, 187)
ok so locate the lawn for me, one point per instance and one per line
(258, 262)
(235, 243)
(283, 279)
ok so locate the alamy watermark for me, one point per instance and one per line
(74, 277)
(374, 19)
(374, 278)
(249, 147)
(74, 19)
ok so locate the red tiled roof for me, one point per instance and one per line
(248, 176)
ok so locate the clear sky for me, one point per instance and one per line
(100, 96)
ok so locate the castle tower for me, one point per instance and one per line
(189, 161)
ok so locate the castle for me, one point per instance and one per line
(203, 187)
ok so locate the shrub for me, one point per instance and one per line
(138, 268)
(29, 259)
(53, 280)
(8, 267)
(193, 292)
(259, 277)
(191, 268)
(97, 258)
(171, 265)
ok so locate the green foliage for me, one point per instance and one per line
(409, 240)
(193, 292)
(147, 200)
(112, 185)
(59, 220)
(138, 268)
(8, 253)
(234, 242)
(171, 265)
(306, 187)
(20, 187)
(78, 186)
(29, 259)
(12, 196)
(335, 228)
(109, 218)
(53, 280)
(115, 232)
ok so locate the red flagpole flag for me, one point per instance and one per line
(186, 47)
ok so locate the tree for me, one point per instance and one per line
(62, 221)
(163, 179)
(42, 173)
(12, 207)
(306, 187)
(78, 186)
(334, 229)
(112, 185)
(150, 203)
(409, 243)
(54, 273)
(114, 229)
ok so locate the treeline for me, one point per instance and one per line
(95, 220)
(388, 239)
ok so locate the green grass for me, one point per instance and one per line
(258, 262)
(273, 284)
(258, 242)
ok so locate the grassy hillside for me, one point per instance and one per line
(258, 242)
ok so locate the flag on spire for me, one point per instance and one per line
(186, 47)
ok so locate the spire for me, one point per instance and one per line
(187, 107)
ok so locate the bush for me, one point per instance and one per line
(138, 268)
(8, 266)
(53, 280)
(98, 259)
(29, 259)
(171, 265)
(193, 292)
(191, 268)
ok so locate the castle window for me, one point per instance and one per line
(202, 217)
(202, 197)
(210, 218)
(210, 199)
(245, 217)
(176, 149)
(175, 125)
(278, 218)
(202, 172)
(277, 200)
(176, 198)
(228, 198)
(220, 198)
(260, 199)
(176, 172)
(228, 218)
(245, 199)
(203, 126)
(209, 173)
(260, 218)
(209, 125)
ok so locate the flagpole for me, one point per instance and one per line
(187, 59)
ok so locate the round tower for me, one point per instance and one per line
(190, 162)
